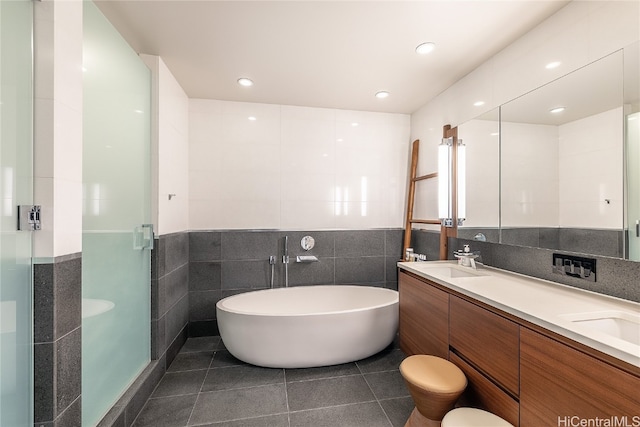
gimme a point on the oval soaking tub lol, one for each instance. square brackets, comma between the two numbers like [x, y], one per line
[307, 326]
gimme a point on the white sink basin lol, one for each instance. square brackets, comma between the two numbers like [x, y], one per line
[453, 273]
[618, 324]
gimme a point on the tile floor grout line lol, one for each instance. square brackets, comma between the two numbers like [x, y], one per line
[186, 370]
[333, 406]
[204, 380]
[172, 396]
[286, 397]
[193, 408]
[324, 378]
[376, 397]
[237, 388]
[207, 423]
[139, 413]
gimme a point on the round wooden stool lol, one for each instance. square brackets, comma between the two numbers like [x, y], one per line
[472, 417]
[435, 384]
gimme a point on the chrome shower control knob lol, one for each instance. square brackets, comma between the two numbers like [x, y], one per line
[307, 243]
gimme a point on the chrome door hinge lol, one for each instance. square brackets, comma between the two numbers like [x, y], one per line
[29, 217]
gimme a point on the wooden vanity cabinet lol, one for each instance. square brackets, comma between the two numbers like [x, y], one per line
[526, 374]
[424, 318]
[487, 341]
[558, 382]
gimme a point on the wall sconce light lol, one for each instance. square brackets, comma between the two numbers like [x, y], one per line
[446, 181]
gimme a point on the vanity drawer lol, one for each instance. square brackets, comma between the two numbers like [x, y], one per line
[484, 394]
[424, 318]
[489, 342]
[559, 382]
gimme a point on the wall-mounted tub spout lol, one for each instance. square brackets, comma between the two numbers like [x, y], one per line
[306, 258]
[272, 263]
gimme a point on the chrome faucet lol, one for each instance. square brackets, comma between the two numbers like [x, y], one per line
[466, 258]
[285, 261]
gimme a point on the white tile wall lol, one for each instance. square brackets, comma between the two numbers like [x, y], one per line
[295, 167]
[173, 154]
[294, 151]
[170, 150]
[58, 126]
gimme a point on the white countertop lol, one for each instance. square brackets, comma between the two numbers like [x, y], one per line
[547, 304]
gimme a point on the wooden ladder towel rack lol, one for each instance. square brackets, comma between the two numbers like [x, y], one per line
[413, 179]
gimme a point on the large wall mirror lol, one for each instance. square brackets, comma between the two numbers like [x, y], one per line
[559, 167]
[481, 137]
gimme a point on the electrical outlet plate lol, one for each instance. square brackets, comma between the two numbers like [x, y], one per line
[575, 266]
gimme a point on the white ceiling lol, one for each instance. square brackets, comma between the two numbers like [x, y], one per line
[333, 54]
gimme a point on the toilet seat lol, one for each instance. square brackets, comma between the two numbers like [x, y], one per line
[472, 417]
[433, 373]
[434, 384]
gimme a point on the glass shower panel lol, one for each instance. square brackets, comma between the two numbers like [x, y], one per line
[116, 270]
[16, 184]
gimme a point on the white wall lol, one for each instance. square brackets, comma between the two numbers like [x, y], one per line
[295, 167]
[578, 34]
[170, 150]
[58, 126]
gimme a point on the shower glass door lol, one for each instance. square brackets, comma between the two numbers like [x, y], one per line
[16, 184]
[116, 262]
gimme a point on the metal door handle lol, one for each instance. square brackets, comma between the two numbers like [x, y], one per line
[143, 237]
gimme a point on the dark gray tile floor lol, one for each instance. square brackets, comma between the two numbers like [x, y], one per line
[206, 386]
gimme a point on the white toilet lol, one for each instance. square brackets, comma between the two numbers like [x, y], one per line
[472, 417]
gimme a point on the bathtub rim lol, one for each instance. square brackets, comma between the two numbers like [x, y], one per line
[395, 301]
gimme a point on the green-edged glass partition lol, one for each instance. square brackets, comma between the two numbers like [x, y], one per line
[116, 262]
[16, 186]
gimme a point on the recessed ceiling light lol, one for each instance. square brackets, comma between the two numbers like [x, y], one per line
[478, 103]
[382, 94]
[425, 48]
[552, 65]
[354, 124]
[243, 81]
[252, 118]
[557, 110]
[494, 134]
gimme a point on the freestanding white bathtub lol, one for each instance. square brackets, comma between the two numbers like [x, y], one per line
[307, 326]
